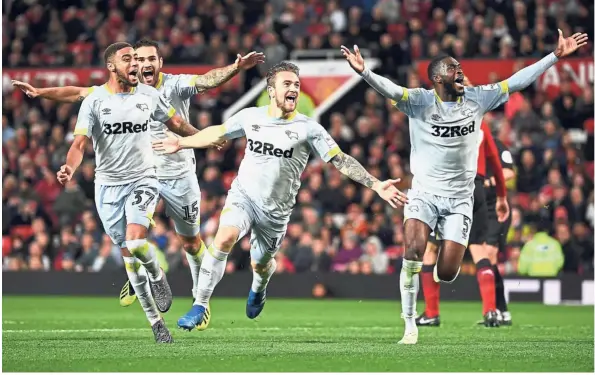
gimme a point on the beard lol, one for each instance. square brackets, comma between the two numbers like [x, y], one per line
[284, 106]
[123, 78]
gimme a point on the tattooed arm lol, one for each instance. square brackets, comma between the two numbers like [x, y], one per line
[216, 77]
[351, 168]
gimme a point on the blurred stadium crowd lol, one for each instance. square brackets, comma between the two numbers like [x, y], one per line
[337, 225]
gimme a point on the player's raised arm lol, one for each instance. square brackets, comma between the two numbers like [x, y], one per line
[528, 75]
[67, 94]
[218, 76]
[384, 86]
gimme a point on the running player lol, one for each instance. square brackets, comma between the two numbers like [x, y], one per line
[116, 117]
[261, 199]
[444, 125]
[176, 173]
[477, 240]
[498, 231]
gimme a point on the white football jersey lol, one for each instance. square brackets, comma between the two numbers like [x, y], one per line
[178, 89]
[277, 152]
[445, 137]
[119, 126]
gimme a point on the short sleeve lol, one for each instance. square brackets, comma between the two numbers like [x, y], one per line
[86, 119]
[234, 126]
[492, 96]
[414, 101]
[321, 142]
[186, 85]
[163, 110]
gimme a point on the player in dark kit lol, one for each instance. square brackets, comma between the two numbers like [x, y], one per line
[488, 154]
[498, 231]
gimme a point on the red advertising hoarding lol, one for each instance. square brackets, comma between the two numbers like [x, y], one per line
[47, 77]
[580, 71]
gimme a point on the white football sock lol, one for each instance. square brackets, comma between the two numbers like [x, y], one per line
[409, 285]
[139, 281]
[146, 254]
[211, 272]
[194, 262]
[261, 280]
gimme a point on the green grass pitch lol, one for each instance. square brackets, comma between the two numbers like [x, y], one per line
[96, 334]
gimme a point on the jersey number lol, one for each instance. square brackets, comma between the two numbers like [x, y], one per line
[138, 197]
[275, 244]
[191, 211]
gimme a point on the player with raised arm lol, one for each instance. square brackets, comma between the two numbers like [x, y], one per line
[116, 117]
[262, 196]
[444, 130]
[176, 172]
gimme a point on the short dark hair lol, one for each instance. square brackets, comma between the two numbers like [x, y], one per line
[111, 50]
[435, 65]
[148, 43]
[283, 66]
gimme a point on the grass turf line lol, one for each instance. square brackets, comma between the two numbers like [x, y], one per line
[96, 334]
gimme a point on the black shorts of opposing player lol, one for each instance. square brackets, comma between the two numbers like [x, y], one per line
[479, 229]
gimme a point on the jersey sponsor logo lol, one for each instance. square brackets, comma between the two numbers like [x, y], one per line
[453, 131]
[142, 106]
[125, 127]
[265, 148]
[106, 111]
[255, 128]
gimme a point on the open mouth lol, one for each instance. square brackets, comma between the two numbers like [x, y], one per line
[149, 74]
[132, 75]
[291, 98]
[459, 82]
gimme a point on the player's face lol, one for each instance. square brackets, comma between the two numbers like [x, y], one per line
[453, 77]
[150, 65]
[126, 67]
[286, 91]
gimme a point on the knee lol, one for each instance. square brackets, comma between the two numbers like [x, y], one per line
[414, 248]
[135, 232]
[447, 273]
[191, 244]
[492, 254]
[225, 239]
[431, 254]
[261, 268]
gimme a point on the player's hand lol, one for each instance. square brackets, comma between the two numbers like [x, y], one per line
[219, 146]
[388, 192]
[502, 209]
[168, 145]
[29, 90]
[64, 174]
[354, 59]
[567, 46]
[250, 60]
